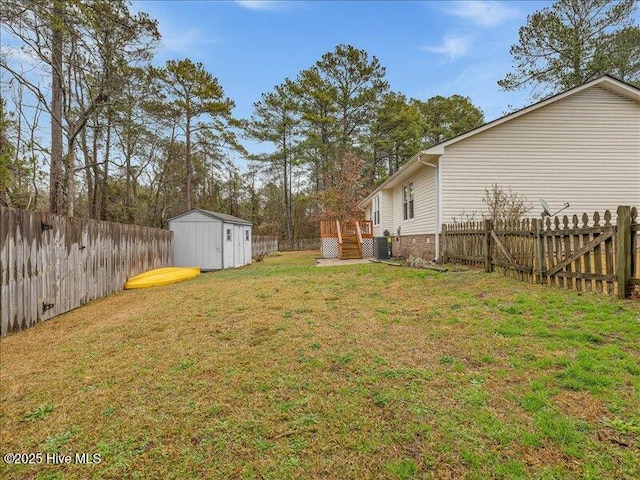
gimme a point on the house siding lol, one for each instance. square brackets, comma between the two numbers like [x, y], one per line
[583, 149]
[386, 211]
[424, 198]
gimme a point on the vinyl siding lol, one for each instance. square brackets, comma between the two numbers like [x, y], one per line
[424, 195]
[386, 211]
[583, 149]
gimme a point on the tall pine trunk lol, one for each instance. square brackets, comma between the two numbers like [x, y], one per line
[70, 179]
[88, 160]
[56, 173]
[187, 161]
[104, 184]
[97, 174]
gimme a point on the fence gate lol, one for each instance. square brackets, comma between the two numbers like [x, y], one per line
[584, 254]
[512, 248]
[579, 257]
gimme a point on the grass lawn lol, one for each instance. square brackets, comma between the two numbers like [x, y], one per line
[285, 370]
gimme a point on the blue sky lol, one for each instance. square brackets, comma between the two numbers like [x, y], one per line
[428, 48]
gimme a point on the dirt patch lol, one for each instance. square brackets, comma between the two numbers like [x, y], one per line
[538, 458]
[336, 262]
[580, 405]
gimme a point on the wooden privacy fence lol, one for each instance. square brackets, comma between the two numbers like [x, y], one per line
[264, 244]
[585, 254]
[50, 264]
[301, 244]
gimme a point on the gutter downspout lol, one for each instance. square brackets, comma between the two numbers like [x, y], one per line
[438, 220]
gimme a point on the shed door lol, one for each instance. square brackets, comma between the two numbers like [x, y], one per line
[228, 248]
[238, 245]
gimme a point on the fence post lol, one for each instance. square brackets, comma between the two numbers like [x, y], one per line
[486, 247]
[443, 241]
[623, 250]
[539, 248]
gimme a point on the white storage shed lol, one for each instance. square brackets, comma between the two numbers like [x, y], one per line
[210, 240]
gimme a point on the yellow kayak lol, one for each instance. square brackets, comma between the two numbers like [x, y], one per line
[162, 276]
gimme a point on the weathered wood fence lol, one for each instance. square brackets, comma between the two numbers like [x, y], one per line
[50, 264]
[264, 244]
[589, 254]
[302, 244]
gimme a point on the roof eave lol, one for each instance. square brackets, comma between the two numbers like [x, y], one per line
[209, 214]
[405, 169]
[382, 186]
[606, 81]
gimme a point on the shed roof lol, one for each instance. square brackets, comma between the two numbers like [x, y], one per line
[217, 215]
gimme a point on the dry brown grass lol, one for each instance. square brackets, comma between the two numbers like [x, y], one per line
[284, 370]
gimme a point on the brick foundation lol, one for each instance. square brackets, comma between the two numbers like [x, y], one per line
[422, 246]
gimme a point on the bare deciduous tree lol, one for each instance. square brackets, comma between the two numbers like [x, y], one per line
[504, 204]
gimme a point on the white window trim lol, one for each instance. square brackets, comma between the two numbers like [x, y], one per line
[411, 201]
[376, 212]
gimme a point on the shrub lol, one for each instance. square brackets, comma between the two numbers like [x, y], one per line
[504, 204]
[259, 256]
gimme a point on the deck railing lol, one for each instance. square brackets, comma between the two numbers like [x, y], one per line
[338, 229]
[328, 229]
[366, 228]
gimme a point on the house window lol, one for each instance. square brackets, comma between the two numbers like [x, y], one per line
[228, 234]
[246, 235]
[407, 201]
[376, 210]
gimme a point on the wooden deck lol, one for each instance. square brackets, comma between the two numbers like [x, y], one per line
[350, 235]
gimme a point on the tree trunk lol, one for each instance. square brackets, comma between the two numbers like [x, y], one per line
[290, 225]
[286, 184]
[96, 175]
[56, 174]
[69, 179]
[88, 160]
[187, 161]
[128, 182]
[105, 170]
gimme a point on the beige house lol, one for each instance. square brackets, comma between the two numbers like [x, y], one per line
[581, 146]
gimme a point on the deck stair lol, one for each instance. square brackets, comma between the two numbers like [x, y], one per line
[351, 248]
[347, 235]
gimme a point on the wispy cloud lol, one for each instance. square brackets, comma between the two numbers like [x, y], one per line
[259, 4]
[452, 46]
[486, 13]
[186, 42]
